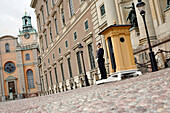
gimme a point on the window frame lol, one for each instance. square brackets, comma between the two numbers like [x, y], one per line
[85, 25]
[27, 56]
[66, 44]
[71, 7]
[32, 84]
[102, 15]
[47, 7]
[7, 48]
[56, 26]
[79, 63]
[91, 58]
[76, 36]
[69, 67]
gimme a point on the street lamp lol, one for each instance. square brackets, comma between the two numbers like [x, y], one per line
[141, 6]
[81, 51]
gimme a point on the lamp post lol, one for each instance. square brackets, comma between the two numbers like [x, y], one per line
[141, 6]
[81, 51]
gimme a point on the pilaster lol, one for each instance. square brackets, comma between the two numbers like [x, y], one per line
[35, 57]
[2, 89]
[20, 69]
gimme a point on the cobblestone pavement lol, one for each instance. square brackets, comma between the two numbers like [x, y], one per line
[148, 93]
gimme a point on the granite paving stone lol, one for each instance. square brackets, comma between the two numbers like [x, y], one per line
[149, 93]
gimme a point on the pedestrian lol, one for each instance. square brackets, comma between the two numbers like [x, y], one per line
[101, 61]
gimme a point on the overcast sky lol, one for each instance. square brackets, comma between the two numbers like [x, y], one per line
[11, 12]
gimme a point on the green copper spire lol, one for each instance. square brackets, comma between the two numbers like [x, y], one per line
[26, 24]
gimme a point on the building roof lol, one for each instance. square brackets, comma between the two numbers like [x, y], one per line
[113, 26]
[8, 36]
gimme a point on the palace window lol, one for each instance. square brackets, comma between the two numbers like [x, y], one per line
[69, 67]
[63, 18]
[79, 62]
[7, 48]
[39, 23]
[30, 79]
[66, 44]
[86, 24]
[56, 27]
[90, 50]
[46, 41]
[55, 70]
[53, 56]
[62, 71]
[53, 2]
[44, 65]
[49, 61]
[47, 7]
[51, 36]
[43, 83]
[46, 80]
[51, 78]
[27, 57]
[59, 50]
[43, 16]
[42, 44]
[75, 36]
[102, 10]
[71, 7]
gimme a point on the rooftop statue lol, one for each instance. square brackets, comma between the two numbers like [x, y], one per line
[132, 15]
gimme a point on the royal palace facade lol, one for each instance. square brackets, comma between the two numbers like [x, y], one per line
[64, 24]
[19, 75]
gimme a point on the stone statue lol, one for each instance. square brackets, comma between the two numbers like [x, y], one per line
[168, 3]
[10, 94]
[132, 15]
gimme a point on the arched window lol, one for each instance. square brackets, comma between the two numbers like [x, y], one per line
[30, 79]
[7, 47]
[25, 21]
[27, 57]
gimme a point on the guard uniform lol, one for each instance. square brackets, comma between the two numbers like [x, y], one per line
[101, 63]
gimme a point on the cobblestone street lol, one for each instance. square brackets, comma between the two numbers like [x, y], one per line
[148, 93]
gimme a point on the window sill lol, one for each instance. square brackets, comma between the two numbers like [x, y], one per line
[103, 16]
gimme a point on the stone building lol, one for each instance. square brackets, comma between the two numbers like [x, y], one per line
[18, 63]
[64, 24]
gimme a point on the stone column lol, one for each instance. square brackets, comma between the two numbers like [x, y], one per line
[111, 13]
[149, 23]
[154, 13]
[21, 78]
[134, 32]
[122, 13]
[118, 12]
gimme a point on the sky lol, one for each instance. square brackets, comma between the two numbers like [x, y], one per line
[11, 12]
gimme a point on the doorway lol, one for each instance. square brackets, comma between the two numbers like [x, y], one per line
[11, 87]
[112, 58]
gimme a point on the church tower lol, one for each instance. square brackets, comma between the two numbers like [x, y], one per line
[28, 35]
[19, 74]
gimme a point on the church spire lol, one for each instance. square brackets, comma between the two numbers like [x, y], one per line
[26, 24]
